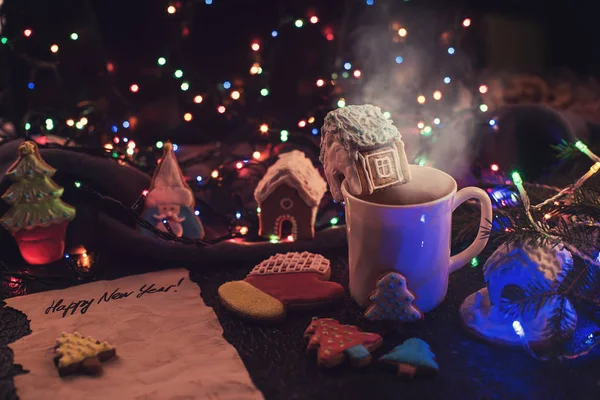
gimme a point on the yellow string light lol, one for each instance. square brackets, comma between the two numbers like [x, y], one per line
[264, 128]
[421, 99]
[437, 95]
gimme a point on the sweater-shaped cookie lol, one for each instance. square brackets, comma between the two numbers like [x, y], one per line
[392, 301]
[364, 148]
[336, 342]
[75, 353]
[283, 281]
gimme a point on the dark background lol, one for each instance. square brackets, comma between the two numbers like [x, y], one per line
[519, 36]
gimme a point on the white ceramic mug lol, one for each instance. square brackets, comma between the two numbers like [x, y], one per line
[407, 229]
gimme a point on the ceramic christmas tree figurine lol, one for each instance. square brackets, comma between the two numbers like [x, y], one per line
[38, 218]
[413, 357]
[170, 198]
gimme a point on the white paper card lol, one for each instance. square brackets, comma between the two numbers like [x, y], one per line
[169, 343]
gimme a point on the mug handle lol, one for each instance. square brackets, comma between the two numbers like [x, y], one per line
[457, 261]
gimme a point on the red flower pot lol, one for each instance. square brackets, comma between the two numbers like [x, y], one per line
[42, 245]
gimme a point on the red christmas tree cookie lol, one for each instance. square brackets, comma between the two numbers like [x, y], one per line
[336, 342]
[38, 218]
[392, 301]
[283, 281]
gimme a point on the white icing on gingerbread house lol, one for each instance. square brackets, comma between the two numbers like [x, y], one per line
[361, 145]
[291, 190]
[519, 266]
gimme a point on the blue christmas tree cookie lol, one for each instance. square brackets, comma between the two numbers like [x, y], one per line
[413, 357]
[392, 301]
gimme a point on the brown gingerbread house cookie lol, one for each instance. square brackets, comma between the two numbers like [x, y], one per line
[291, 191]
[360, 145]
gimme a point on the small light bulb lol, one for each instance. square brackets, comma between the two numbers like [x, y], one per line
[264, 92]
[256, 155]
[83, 120]
[162, 61]
[341, 103]
[255, 46]
[451, 50]
[311, 120]
[159, 145]
[254, 69]
[198, 99]
[402, 32]
[357, 73]
[221, 109]
[54, 48]
[244, 230]
[466, 22]
[483, 89]
[187, 117]
[494, 167]
[235, 95]
[70, 122]
[320, 82]
[199, 178]
[421, 125]
[171, 9]
[421, 99]
[437, 95]
[134, 88]
[314, 19]
[264, 128]
[483, 107]
[298, 23]
[518, 328]
[185, 86]
[301, 124]
[27, 32]
[178, 73]
[74, 36]
[239, 165]
[215, 174]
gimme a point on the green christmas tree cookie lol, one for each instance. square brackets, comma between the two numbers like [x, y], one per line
[38, 218]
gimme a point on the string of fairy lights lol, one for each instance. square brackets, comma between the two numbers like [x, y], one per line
[121, 144]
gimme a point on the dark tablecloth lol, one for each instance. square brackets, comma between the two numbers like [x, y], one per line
[276, 359]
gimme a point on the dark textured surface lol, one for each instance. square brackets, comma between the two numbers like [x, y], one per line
[279, 366]
[276, 359]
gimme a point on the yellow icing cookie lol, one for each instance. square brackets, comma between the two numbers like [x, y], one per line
[250, 302]
[72, 348]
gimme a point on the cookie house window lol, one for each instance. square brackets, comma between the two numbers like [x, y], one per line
[384, 168]
[286, 203]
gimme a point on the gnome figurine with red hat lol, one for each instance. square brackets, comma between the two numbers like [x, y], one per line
[171, 200]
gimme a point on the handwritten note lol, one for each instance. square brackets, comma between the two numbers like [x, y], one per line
[82, 306]
[169, 343]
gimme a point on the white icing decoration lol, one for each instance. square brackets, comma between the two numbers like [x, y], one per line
[516, 264]
[297, 171]
[286, 203]
[487, 321]
[360, 125]
[285, 217]
[346, 131]
[291, 263]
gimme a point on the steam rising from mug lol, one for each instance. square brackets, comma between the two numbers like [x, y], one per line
[395, 74]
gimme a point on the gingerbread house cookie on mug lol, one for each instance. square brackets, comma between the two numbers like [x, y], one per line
[362, 146]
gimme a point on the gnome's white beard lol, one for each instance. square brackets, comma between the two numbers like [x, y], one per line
[174, 222]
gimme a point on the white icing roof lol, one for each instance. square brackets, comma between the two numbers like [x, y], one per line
[551, 263]
[297, 171]
[361, 125]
